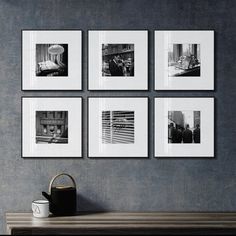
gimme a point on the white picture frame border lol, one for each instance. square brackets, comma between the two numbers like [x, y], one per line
[162, 40]
[71, 149]
[98, 37]
[29, 40]
[164, 149]
[96, 149]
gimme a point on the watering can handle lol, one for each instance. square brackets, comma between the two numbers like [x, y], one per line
[56, 176]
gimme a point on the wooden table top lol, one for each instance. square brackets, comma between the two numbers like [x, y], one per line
[123, 221]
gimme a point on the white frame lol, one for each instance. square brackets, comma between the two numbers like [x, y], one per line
[140, 79]
[206, 146]
[32, 37]
[98, 149]
[206, 79]
[32, 104]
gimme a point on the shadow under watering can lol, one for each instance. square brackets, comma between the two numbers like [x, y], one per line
[62, 198]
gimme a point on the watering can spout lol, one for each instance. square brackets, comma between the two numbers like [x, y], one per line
[47, 196]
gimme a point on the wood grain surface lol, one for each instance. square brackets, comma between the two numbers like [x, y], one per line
[118, 223]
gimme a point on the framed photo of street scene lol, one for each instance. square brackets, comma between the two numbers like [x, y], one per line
[118, 60]
[118, 127]
[51, 127]
[184, 127]
[51, 59]
[184, 60]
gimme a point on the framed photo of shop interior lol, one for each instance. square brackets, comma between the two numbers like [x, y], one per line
[184, 60]
[184, 127]
[51, 59]
[118, 60]
[118, 127]
[51, 126]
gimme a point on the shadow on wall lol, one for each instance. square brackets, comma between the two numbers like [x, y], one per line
[85, 204]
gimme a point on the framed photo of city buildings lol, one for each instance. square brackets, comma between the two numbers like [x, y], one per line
[118, 60]
[51, 127]
[51, 59]
[118, 127]
[184, 127]
[184, 60]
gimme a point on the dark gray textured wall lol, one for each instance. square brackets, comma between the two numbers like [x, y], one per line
[112, 184]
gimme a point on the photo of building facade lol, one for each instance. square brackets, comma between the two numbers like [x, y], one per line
[51, 126]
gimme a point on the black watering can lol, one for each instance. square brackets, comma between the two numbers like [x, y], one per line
[62, 198]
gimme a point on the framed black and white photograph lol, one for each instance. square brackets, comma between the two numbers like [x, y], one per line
[118, 60]
[51, 126]
[184, 60]
[118, 127]
[184, 127]
[51, 59]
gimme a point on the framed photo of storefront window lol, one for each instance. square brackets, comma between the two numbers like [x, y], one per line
[51, 59]
[184, 60]
[51, 127]
[118, 60]
[118, 127]
[184, 127]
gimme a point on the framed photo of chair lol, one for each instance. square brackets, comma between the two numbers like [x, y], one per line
[51, 59]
